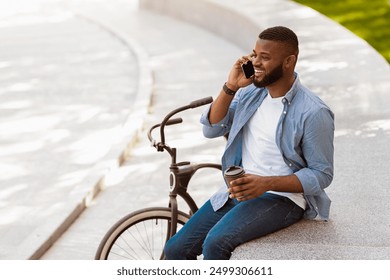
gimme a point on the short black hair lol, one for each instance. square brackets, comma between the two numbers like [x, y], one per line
[281, 34]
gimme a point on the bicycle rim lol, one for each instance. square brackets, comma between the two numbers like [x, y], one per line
[139, 236]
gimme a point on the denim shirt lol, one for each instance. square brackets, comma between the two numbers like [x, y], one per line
[304, 136]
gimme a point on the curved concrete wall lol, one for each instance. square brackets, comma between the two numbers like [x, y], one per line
[333, 61]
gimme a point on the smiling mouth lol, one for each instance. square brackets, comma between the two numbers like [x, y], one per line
[259, 72]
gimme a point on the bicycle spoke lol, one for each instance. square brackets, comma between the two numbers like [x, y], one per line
[144, 246]
[147, 240]
[139, 237]
[144, 236]
[128, 246]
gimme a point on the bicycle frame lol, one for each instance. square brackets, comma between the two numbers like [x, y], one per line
[139, 231]
[182, 172]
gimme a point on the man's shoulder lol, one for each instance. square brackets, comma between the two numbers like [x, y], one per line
[310, 100]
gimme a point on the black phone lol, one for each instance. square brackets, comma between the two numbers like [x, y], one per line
[248, 69]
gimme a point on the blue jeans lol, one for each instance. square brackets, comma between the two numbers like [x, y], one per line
[217, 234]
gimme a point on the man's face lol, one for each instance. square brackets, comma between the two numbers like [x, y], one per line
[268, 62]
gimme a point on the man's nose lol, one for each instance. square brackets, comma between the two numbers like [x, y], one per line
[256, 62]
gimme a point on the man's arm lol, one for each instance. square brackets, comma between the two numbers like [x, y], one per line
[236, 80]
[220, 106]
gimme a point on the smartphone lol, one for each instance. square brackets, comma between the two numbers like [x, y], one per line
[248, 69]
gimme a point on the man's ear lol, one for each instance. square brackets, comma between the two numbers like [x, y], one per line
[290, 61]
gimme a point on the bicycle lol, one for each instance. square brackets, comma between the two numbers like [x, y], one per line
[142, 234]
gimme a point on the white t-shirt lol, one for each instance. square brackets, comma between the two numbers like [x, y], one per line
[261, 155]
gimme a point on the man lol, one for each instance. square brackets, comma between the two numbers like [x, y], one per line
[282, 135]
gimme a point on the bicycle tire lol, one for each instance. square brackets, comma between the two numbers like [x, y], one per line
[135, 236]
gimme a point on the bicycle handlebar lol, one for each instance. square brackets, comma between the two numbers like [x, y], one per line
[168, 121]
[201, 102]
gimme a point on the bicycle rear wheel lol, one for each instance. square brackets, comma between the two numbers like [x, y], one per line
[140, 235]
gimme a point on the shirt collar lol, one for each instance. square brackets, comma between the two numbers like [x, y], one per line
[294, 89]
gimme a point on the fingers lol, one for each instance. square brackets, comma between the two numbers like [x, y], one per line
[239, 196]
[247, 187]
[244, 59]
[242, 195]
[236, 76]
[239, 190]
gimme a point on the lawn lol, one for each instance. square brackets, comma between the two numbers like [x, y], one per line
[368, 19]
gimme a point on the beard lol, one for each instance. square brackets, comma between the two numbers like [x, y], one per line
[270, 78]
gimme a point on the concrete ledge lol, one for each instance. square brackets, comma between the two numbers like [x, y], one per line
[353, 79]
[212, 16]
[309, 240]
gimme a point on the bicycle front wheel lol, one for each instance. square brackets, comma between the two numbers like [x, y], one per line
[139, 236]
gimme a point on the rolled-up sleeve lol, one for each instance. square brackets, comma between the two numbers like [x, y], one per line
[222, 127]
[318, 151]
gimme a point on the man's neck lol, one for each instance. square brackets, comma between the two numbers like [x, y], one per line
[281, 87]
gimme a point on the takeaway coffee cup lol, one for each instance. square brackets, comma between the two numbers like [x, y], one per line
[232, 173]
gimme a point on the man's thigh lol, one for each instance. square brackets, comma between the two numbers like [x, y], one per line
[257, 217]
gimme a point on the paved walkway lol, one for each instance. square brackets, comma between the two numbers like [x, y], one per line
[186, 63]
[178, 54]
[67, 89]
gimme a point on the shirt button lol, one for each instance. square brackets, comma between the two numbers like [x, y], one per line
[285, 112]
[290, 164]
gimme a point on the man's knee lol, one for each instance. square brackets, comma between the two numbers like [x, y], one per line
[171, 250]
[175, 249]
[217, 247]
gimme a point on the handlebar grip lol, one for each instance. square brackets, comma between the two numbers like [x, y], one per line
[201, 102]
[169, 122]
[174, 121]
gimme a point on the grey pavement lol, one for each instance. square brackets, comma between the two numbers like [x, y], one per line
[87, 69]
[68, 86]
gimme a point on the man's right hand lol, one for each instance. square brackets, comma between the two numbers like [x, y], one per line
[236, 78]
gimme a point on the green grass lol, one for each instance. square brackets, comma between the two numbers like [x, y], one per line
[368, 19]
